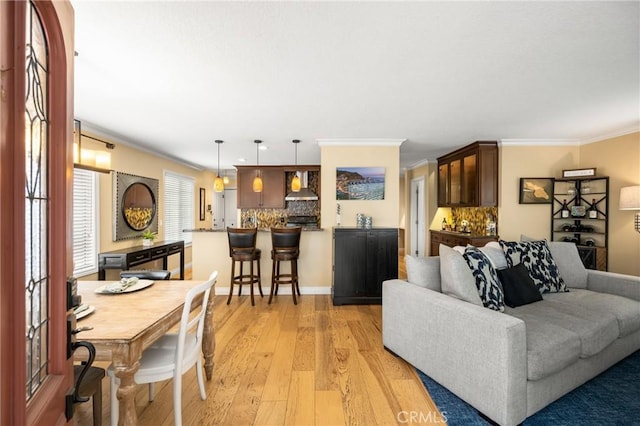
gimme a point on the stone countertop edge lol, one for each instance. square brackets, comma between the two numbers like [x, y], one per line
[464, 234]
[259, 230]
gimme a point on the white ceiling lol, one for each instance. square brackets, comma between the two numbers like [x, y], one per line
[172, 77]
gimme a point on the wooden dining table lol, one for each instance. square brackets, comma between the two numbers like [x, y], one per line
[123, 325]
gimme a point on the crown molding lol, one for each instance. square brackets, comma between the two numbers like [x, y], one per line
[360, 142]
[539, 142]
[117, 139]
[632, 129]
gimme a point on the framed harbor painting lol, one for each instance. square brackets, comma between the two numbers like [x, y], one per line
[360, 183]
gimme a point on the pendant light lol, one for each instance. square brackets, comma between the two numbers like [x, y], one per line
[295, 182]
[218, 183]
[257, 181]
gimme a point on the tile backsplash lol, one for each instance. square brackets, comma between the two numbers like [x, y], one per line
[476, 216]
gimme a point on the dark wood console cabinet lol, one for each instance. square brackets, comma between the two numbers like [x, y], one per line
[362, 260]
[133, 256]
[468, 177]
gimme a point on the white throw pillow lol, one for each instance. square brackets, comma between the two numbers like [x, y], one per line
[456, 277]
[424, 271]
[495, 254]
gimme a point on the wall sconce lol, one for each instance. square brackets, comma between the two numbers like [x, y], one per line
[257, 181]
[630, 200]
[90, 159]
[295, 182]
[218, 183]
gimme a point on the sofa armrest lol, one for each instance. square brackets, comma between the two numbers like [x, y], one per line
[613, 283]
[478, 354]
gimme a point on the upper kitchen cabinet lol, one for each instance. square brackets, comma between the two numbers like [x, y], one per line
[468, 177]
[273, 187]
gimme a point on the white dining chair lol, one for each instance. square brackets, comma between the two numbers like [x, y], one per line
[159, 361]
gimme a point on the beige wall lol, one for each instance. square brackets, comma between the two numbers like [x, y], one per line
[384, 212]
[618, 158]
[529, 161]
[130, 160]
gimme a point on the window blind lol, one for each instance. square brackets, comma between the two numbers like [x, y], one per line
[178, 206]
[85, 220]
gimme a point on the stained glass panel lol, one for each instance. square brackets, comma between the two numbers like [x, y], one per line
[36, 203]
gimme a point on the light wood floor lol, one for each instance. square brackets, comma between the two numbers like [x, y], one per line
[310, 364]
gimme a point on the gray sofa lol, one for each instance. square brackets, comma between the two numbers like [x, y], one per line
[508, 365]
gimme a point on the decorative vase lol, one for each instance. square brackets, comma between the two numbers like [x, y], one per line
[146, 242]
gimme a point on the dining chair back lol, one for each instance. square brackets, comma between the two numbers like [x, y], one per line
[173, 354]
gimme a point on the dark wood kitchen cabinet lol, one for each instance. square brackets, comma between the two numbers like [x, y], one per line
[362, 260]
[273, 187]
[468, 177]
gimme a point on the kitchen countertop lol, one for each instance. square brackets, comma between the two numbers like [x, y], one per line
[463, 234]
[259, 230]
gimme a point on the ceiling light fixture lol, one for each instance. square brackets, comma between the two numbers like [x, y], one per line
[218, 183]
[257, 181]
[295, 182]
[96, 160]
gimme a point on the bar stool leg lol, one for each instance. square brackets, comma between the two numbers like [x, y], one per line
[259, 278]
[273, 279]
[251, 281]
[233, 274]
[241, 280]
[294, 274]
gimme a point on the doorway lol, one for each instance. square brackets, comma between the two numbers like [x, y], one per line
[417, 217]
[225, 209]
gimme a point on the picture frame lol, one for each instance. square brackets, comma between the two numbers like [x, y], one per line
[360, 183]
[586, 172]
[536, 190]
[203, 203]
[135, 205]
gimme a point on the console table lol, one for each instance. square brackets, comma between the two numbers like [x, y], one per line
[126, 258]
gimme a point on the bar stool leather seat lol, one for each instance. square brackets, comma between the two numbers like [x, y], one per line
[242, 248]
[285, 247]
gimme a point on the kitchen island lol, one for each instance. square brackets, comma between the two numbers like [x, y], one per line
[210, 252]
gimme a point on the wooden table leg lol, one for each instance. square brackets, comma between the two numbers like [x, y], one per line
[208, 337]
[125, 364]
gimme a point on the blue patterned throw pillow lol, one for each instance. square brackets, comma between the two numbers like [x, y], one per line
[536, 257]
[486, 278]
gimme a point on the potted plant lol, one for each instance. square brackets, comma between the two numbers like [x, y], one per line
[148, 236]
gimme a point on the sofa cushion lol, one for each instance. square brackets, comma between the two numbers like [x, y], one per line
[424, 271]
[626, 311]
[596, 329]
[570, 267]
[456, 278]
[538, 260]
[486, 279]
[495, 254]
[550, 348]
[518, 286]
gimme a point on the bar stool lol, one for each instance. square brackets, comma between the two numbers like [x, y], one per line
[285, 247]
[242, 248]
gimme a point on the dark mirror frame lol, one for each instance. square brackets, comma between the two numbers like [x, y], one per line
[122, 229]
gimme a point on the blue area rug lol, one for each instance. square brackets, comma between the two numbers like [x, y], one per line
[612, 398]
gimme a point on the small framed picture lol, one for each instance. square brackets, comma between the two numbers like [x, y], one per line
[579, 172]
[536, 190]
[203, 203]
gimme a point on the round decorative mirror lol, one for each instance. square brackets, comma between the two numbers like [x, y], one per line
[138, 206]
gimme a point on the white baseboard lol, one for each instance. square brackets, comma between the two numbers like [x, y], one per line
[224, 291]
[175, 272]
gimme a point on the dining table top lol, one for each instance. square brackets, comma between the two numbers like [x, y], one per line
[126, 316]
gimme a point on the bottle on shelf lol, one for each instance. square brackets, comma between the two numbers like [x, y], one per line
[444, 224]
[564, 211]
[593, 211]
